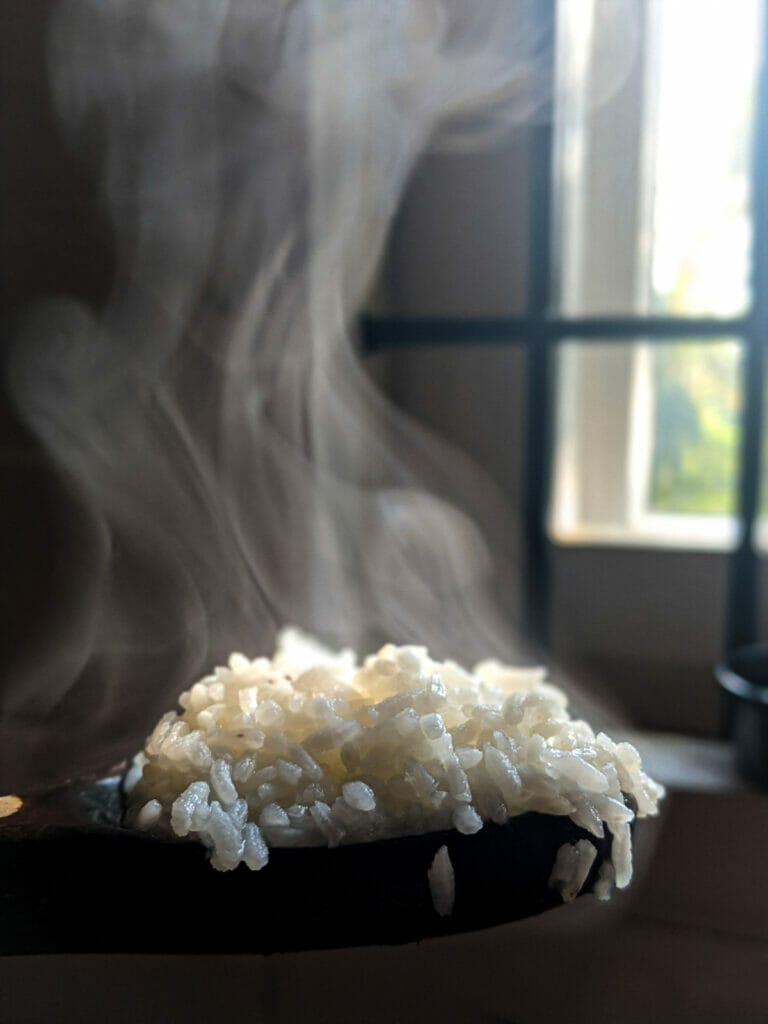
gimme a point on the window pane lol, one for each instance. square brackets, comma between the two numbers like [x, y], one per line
[647, 442]
[652, 164]
[696, 408]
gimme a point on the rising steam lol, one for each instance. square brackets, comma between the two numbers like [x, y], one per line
[234, 468]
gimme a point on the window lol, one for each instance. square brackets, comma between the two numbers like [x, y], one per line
[647, 447]
[654, 220]
[646, 323]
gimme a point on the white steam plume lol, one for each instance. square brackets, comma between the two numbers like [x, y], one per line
[234, 467]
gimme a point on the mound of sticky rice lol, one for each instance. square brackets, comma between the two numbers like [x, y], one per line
[311, 748]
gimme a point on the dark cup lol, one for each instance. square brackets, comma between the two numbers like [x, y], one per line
[743, 677]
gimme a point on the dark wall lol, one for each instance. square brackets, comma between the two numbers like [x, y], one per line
[53, 238]
[53, 241]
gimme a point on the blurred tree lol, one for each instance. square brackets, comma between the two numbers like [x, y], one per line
[696, 428]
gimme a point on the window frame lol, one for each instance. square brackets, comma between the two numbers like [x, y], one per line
[541, 332]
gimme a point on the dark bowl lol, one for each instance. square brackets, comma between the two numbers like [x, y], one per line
[743, 678]
[73, 879]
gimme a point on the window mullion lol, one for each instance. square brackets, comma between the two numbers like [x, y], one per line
[742, 620]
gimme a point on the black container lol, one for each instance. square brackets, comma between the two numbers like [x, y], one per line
[743, 676]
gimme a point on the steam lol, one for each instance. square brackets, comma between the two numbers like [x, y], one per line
[232, 466]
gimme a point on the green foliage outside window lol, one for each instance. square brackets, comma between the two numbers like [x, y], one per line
[696, 428]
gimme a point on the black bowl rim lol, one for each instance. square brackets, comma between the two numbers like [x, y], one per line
[734, 683]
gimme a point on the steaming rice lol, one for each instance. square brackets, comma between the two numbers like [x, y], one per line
[312, 749]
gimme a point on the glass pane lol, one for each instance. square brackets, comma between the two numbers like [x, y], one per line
[654, 116]
[696, 408]
[647, 442]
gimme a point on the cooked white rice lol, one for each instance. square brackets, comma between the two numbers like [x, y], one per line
[571, 869]
[442, 882]
[311, 749]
